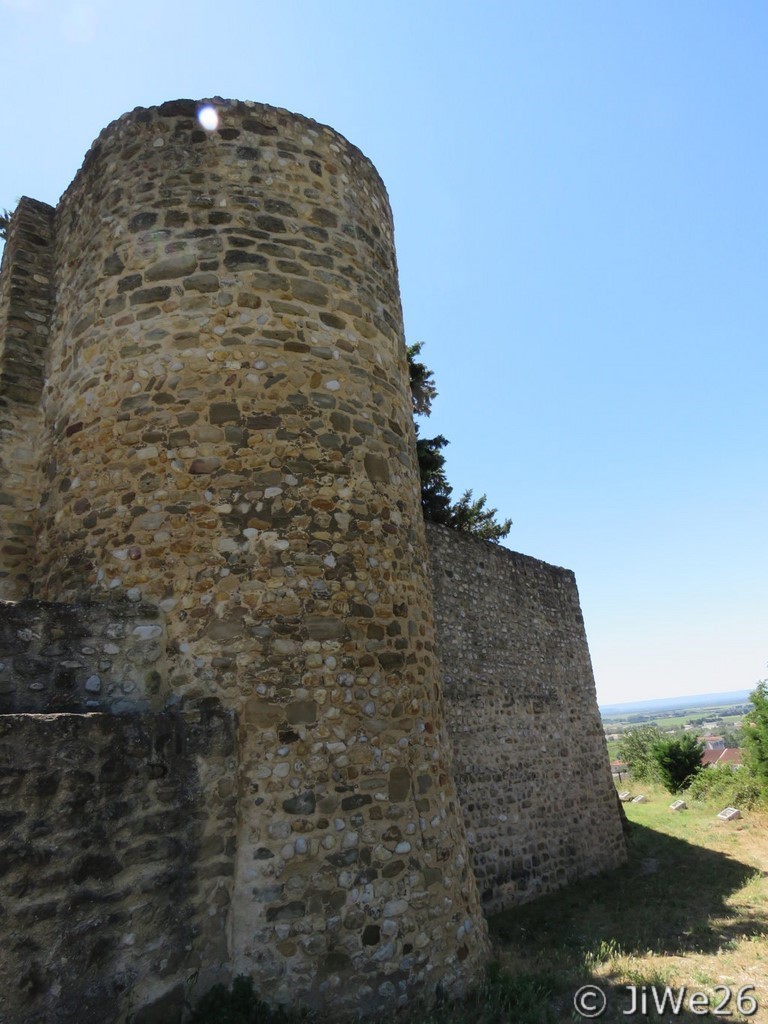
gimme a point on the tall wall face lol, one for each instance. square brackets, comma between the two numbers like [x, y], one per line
[26, 306]
[228, 436]
[207, 451]
[530, 760]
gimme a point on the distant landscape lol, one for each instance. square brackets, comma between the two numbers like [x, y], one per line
[668, 704]
[719, 714]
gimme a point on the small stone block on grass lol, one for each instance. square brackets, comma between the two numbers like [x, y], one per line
[625, 796]
[729, 814]
[640, 799]
[678, 805]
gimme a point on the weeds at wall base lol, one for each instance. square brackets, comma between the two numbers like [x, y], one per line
[238, 1005]
[499, 999]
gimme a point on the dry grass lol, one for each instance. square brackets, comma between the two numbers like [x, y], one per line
[689, 909]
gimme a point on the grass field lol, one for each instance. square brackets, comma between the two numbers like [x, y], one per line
[727, 719]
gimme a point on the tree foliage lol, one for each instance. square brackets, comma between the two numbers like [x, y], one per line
[5, 220]
[423, 390]
[731, 737]
[466, 514]
[473, 517]
[678, 760]
[635, 750]
[435, 489]
[756, 734]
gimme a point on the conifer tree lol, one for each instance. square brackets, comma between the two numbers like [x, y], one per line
[678, 760]
[465, 514]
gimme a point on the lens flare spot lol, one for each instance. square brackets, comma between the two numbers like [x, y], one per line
[208, 118]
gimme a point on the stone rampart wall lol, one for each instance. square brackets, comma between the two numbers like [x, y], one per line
[116, 863]
[26, 307]
[228, 436]
[530, 760]
[208, 475]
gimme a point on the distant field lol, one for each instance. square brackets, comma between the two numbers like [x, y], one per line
[674, 705]
[675, 722]
[729, 715]
[725, 716]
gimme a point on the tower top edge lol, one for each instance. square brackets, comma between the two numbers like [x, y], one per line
[231, 113]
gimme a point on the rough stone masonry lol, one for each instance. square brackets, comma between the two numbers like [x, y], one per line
[223, 747]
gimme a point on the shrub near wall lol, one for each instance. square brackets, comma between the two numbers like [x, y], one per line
[726, 785]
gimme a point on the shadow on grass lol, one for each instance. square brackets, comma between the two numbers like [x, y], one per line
[670, 898]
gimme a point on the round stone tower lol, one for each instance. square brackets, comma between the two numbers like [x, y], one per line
[231, 438]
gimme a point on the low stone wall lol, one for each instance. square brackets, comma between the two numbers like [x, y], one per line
[116, 863]
[530, 760]
[84, 657]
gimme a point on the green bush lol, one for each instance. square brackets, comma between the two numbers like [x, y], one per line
[727, 785]
[635, 751]
[678, 761]
[756, 735]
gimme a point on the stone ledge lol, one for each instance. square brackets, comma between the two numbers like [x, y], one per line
[116, 858]
[89, 656]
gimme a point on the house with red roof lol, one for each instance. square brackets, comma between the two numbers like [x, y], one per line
[723, 755]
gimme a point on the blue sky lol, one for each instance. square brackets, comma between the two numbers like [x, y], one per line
[580, 193]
